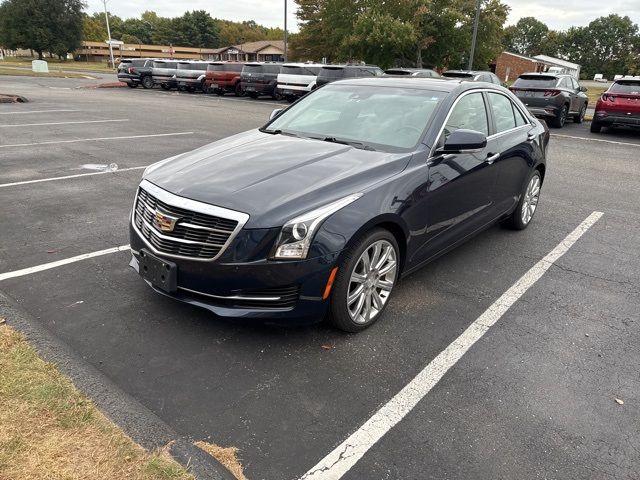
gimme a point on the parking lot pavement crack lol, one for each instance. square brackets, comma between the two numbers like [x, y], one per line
[596, 277]
[342, 456]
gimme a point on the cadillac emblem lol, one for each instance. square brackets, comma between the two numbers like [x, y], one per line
[164, 222]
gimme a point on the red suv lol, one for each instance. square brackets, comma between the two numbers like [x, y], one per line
[620, 105]
[224, 77]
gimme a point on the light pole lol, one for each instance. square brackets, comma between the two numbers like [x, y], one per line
[475, 35]
[106, 15]
[285, 30]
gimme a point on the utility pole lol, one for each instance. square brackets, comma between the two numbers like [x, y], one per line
[475, 35]
[106, 15]
[285, 30]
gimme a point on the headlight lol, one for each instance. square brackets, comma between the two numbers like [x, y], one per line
[297, 234]
[153, 166]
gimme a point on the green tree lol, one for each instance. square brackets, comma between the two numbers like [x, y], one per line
[198, 29]
[93, 30]
[379, 38]
[526, 37]
[42, 25]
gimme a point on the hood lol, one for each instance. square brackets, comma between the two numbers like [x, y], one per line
[273, 177]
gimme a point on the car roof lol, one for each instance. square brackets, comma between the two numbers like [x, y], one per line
[545, 74]
[423, 83]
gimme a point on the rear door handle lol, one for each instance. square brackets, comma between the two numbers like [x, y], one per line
[492, 157]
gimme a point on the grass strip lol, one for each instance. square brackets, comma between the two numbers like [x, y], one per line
[48, 429]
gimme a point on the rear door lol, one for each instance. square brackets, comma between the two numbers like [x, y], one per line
[511, 129]
[460, 185]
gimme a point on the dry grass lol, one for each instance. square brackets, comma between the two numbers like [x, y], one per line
[594, 93]
[49, 430]
[226, 456]
[28, 73]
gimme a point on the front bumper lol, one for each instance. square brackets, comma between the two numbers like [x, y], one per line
[293, 289]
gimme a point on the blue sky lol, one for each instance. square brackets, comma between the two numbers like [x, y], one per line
[556, 14]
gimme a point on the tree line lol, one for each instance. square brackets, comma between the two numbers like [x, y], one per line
[193, 29]
[59, 26]
[437, 34]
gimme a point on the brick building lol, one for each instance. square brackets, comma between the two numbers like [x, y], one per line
[509, 66]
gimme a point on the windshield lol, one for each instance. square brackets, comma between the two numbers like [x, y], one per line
[377, 117]
[326, 72]
[626, 87]
[537, 81]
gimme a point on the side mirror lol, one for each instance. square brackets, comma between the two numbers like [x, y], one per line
[275, 113]
[583, 89]
[464, 141]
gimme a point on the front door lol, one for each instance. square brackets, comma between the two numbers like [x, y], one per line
[458, 196]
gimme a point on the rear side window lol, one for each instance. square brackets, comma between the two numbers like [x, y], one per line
[502, 111]
[164, 64]
[298, 70]
[138, 63]
[469, 113]
[332, 73]
[629, 87]
[457, 75]
[535, 81]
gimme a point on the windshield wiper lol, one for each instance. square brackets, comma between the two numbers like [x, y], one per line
[360, 145]
[277, 131]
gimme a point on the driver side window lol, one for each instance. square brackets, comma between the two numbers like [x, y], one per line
[469, 113]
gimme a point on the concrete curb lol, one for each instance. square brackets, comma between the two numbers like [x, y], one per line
[141, 424]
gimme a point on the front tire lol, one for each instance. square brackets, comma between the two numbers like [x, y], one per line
[580, 117]
[365, 281]
[528, 204]
[595, 126]
[560, 120]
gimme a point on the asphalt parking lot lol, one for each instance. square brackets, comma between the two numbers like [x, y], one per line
[532, 398]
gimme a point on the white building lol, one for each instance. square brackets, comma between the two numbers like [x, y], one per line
[560, 66]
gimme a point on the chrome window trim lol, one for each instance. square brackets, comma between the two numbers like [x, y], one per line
[232, 297]
[193, 205]
[489, 137]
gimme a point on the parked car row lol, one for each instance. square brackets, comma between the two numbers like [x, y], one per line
[278, 80]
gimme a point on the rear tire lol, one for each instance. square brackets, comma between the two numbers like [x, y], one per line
[147, 82]
[580, 117]
[559, 121]
[237, 91]
[528, 204]
[204, 87]
[375, 282]
[276, 96]
[595, 126]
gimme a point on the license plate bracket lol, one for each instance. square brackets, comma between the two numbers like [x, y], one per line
[159, 272]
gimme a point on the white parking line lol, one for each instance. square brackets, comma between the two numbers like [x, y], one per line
[66, 177]
[96, 139]
[59, 263]
[63, 123]
[596, 140]
[347, 454]
[36, 111]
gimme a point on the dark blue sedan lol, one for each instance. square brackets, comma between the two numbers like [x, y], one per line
[320, 212]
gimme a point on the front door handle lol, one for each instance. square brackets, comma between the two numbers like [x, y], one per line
[531, 137]
[492, 157]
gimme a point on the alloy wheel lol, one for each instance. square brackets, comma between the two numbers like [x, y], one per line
[531, 197]
[371, 281]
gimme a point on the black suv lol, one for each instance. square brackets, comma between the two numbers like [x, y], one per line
[473, 75]
[260, 79]
[552, 96]
[331, 73]
[136, 71]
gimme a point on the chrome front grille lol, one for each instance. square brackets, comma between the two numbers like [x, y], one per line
[196, 234]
